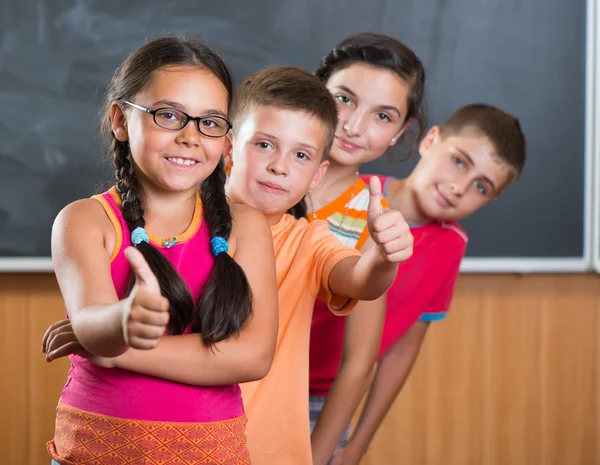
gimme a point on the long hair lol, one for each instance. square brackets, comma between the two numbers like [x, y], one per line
[226, 301]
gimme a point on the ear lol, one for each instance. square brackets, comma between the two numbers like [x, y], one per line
[118, 122]
[319, 175]
[402, 130]
[227, 149]
[429, 140]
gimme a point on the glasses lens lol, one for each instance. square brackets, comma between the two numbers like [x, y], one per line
[169, 118]
[213, 126]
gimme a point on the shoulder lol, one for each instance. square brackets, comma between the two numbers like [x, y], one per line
[455, 232]
[83, 223]
[248, 224]
[447, 242]
[85, 214]
[243, 214]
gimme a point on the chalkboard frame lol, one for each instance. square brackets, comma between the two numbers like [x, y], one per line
[594, 42]
[591, 251]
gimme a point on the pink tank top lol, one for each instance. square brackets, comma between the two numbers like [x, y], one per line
[125, 394]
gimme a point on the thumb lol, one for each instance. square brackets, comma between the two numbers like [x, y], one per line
[144, 276]
[374, 209]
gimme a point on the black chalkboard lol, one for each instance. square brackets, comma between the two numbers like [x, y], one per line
[526, 56]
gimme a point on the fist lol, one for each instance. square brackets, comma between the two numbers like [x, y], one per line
[387, 228]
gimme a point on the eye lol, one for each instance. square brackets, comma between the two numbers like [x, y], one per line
[383, 117]
[209, 123]
[458, 162]
[168, 116]
[302, 156]
[344, 100]
[264, 145]
[480, 188]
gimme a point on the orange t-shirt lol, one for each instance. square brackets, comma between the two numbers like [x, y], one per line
[277, 405]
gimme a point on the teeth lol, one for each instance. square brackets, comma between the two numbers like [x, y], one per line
[182, 161]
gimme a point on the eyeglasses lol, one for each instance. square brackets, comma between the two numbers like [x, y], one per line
[175, 120]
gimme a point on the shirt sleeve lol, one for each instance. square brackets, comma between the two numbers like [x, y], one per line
[444, 266]
[327, 251]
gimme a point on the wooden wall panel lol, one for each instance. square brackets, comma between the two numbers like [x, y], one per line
[569, 384]
[511, 376]
[454, 397]
[45, 306]
[13, 360]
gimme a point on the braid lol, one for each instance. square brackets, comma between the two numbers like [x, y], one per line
[127, 186]
[226, 303]
[214, 201]
[171, 284]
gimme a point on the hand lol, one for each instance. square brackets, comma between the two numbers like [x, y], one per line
[59, 341]
[345, 456]
[387, 228]
[146, 314]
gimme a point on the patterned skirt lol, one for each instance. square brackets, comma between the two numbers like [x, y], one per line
[84, 438]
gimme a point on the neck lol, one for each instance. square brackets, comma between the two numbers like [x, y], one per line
[167, 213]
[403, 199]
[273, 218]
[338, 178]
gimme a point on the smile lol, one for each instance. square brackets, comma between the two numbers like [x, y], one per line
[182, 161]
[272, 188]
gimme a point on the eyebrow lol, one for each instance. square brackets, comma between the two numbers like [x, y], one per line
[472, 163]
[178, 106]
[271, 136]
[383, 107]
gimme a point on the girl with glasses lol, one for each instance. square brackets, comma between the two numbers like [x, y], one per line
[162, 252]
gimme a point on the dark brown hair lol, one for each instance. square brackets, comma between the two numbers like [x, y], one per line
[226, 301]
[500, 128]
[381, 51]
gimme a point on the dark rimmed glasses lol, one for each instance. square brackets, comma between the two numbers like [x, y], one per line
[175, 120]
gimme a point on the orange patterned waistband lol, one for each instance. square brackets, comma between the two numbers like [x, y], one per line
[83, 438]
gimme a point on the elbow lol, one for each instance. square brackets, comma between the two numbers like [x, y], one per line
[259, 364]
[371, 294]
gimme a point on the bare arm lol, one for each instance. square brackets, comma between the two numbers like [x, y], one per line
[362, 335]
[241, 358]
[391, 374]
[82, 266]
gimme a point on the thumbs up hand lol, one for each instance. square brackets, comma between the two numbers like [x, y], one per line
[146, 313]
[387, 228]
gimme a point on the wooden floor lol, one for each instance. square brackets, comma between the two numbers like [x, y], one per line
[509, 378]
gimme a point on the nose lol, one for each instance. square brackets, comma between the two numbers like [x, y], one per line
[189, 136]
[278, 165]
[459, 185]
[353, 124]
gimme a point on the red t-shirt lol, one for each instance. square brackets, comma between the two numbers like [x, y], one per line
[422, 291]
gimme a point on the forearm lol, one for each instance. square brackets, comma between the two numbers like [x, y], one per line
[342, 401]
[363, 278]
[99, 329]
[184, 359]
[390, 376]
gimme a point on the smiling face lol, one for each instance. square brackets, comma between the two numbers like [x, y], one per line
[166, 159]
[372, 108]
[276, 159]
[457, 174]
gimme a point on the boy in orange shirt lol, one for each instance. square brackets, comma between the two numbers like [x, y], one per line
[284, 121]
